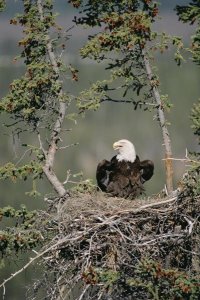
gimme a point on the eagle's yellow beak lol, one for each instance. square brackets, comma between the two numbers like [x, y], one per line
[116, 146]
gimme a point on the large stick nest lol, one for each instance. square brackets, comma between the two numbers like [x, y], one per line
[94, 236]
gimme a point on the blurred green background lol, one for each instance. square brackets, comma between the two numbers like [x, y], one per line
[97, 131]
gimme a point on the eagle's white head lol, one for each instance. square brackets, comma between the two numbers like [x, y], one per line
[126, 150]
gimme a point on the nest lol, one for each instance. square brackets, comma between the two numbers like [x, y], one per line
[97, 241]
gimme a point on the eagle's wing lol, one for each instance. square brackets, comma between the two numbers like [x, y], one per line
[146, 169]
[102, 174]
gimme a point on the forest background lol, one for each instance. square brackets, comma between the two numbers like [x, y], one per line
[98, 130]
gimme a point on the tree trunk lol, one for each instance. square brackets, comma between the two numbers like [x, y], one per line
[163, 125]
[50, 153]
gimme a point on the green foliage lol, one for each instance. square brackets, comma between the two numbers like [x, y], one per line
[106, 277]
[35, 93]
[23, 214]
[33, 100]
[125, 29]
[165, 102]
[177, 42]
[160, 283]
[31, 94]
[191, 14]
[110, 277]
[19, 239]
[195, 117]
[92, 97]
[33, 103]
[149, 280]
[23, 235]
[2, 5]
[191, 181]
[84, 186]
[11, 171]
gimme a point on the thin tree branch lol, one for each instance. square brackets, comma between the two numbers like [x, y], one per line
[21, 270]
[184, 160]
[190, 225]
[84, 291]
[147, 206]
[68, 146]
[23, 155]
[41, 145]
[129, 101]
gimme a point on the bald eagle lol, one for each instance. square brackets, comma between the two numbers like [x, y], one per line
[124, 175]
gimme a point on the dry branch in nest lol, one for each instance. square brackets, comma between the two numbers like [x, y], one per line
[98, 244]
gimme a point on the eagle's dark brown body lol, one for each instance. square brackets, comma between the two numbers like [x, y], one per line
[123, 178]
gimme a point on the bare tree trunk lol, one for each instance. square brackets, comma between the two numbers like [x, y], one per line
[163, 125]
[50, 153]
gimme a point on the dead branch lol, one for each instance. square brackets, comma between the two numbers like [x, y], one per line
[68, 146]
[188, 160]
